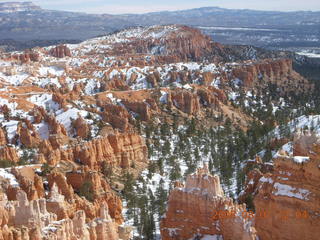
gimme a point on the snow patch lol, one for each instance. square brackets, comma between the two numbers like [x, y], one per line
[288, 191]
[6, 174]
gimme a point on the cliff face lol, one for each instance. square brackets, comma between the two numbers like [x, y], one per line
[199, 209]
[120, 150]
[286, 199]
[278, 72]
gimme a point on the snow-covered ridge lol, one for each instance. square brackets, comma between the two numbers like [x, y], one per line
[309, 54]
[10, 7]
[124, 36]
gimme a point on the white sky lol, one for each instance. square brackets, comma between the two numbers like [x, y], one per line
[142, 6]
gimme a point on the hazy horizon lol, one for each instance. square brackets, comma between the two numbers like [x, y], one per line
[144, 6]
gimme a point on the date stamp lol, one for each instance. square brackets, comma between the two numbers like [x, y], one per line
[282, 215]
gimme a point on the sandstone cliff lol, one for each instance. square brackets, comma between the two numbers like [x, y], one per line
[278, 72]
[289, 194]
[200, 209]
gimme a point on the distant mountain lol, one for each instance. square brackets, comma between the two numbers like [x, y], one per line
[9, 7]
[214, 16]
[26, 21]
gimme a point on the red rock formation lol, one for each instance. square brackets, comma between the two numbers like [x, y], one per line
[185, 101]
[175, 43]
[81, 127]
[289, 195]
[35, 222]
[29, 182]
[279, 72]
[186, 43]
[9, 153]
[60, 51]
[117, 116]
[100, 191]
[211, 97]
[60, 99]
[27, 57]
[119, 150]
[27, 137]
[61, 182]
[39, 113]
[198, 208]
[140, 108]
[3, 137]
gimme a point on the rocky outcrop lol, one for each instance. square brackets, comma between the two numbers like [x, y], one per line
[25, 219]
[279, 72]
[81, 127]
[140, 108]
[9, 153]
[187, 43]
[29, 182]
[29, 138]
[117, 116]
[26, 57]
[200, 209]
[119, 150]
[211, 97]
[60, 51]
[58, 179]
[185, 101]
[290, 194]
[3, 137]
[100, 192]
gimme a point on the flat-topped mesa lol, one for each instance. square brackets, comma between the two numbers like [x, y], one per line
[195, 211]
